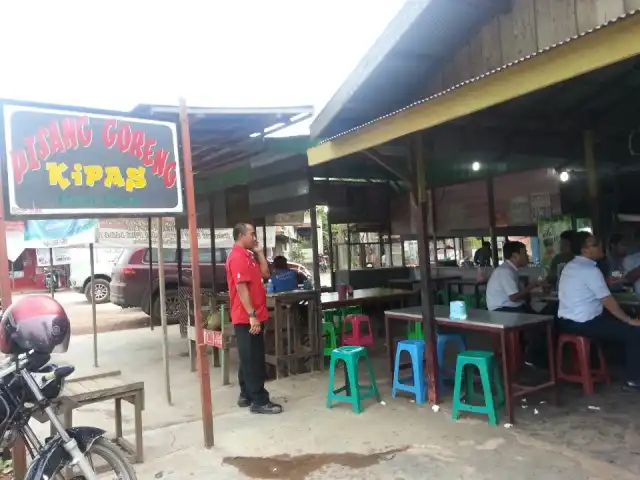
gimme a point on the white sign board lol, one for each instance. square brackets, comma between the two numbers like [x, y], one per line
[61, 256]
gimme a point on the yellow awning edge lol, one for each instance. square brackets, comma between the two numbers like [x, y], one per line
[611, 43]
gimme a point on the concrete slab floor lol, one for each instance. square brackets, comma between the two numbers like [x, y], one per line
[398, 440]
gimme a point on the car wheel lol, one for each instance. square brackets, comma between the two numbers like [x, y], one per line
[173, 307]
[101, 291]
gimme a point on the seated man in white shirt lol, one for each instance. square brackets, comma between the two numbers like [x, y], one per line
[584, 296]
[503, 290]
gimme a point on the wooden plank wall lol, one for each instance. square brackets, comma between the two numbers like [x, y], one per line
[531, 25]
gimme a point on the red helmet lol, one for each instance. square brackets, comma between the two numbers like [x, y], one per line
[36, 322]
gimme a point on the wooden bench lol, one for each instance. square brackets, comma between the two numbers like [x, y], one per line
[87, 390]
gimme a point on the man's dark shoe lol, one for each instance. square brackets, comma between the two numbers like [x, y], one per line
[268, 409]
[631, 386]
[243, 402]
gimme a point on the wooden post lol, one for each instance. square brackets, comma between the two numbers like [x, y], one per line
[150, 273]
[432, 224]
[94, 316]
[492, 222]
[592, 180]
[52, 285]
[218, 355]
[421, 200]
[163, 312]
[201, 352]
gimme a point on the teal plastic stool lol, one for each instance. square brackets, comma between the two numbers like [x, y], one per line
[485, 362]
[330, 339]
[354, 393]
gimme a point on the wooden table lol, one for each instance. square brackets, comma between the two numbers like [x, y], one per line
[363, 296]
[292, 345]
[501, 324]
[81, 391]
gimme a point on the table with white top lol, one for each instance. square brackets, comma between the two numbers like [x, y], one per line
[505, 325]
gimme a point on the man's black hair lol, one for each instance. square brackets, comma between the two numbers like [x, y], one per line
[486, 244]
[239, 230]
[280, 262]
[579, 241]
[511, 248]
[567, 235]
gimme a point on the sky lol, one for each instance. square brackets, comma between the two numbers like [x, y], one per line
[227, 53]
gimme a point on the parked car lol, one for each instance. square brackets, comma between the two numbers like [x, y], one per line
[80, 280]
[131, 288]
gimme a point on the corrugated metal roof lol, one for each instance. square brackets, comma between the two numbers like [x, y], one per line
[492, 72]
[394, 71]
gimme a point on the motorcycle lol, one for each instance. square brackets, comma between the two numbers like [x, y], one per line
[51, 277]
[28, 386]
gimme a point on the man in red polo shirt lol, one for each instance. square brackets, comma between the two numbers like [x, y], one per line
[246, 267]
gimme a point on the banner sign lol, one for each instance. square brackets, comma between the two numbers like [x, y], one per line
[57, 233]
[61, 256]
[61, 162]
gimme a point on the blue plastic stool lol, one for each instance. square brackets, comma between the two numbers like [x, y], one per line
[415, 348]
[443, 339]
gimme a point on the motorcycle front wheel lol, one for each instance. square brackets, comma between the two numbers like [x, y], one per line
[107, 460]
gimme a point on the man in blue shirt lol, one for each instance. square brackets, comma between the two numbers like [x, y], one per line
[283, 279]
[587, 307]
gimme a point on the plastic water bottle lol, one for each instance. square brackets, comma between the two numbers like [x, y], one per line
[269, 286]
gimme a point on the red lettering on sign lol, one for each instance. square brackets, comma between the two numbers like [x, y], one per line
[109, 136]
[159, 162]
[85, 134]
[170, 175]
[69, 133]
[30, 143]
[20, 165]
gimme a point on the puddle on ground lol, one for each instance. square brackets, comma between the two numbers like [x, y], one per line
[287, 467]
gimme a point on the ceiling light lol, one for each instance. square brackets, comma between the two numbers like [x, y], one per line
[564, 176]
[475, 166]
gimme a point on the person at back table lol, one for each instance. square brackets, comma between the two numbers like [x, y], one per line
[503, 290]
[283, 278]
[588, 309]
[561, 259]
[482, 257]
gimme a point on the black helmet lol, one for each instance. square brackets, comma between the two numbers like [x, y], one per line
[36, 322]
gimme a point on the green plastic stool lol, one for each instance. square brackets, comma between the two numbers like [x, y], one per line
[489, 370]
[414, 331]
[354, 392]
[330, 341]
[442, 297]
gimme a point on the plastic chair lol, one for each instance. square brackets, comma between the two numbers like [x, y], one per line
[357, 331]
[329, 335]
[489, 374]
[415, 332]
[581, 371]
[415, 349]
[354, 392]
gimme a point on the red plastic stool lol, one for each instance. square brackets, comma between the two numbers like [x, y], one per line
[355, 336]
[581, 371]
